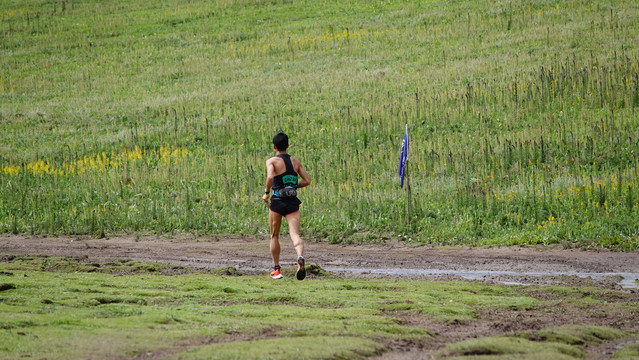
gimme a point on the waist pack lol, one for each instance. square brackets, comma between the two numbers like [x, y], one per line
[286, 192]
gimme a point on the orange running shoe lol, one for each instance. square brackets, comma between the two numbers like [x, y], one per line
[276, 273]
[301, 270]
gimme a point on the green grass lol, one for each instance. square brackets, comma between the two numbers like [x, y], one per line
[145, 116]
[629, 351]
[576, 335]
[112, 314]
[308, 347]
[507, 347]
[51, 308]
[556, 343]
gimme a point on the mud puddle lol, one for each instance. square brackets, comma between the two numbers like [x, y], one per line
[625, 280]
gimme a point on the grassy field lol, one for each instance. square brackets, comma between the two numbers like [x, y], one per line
[62, 308]
[152, 116]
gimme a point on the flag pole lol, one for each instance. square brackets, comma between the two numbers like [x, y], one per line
[407, 189]
[407, 196]
[403, 173]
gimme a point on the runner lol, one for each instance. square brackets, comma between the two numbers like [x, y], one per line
[282, 176]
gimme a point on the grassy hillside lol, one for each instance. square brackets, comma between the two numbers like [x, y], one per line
[155, 116]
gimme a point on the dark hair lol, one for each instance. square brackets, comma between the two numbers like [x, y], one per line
[280, 140]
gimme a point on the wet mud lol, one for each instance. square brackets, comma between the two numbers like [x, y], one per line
[394, 259]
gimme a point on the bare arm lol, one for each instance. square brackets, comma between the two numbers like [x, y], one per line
[306, 181]
[270, 174]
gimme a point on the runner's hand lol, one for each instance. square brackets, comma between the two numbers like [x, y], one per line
[265, 198]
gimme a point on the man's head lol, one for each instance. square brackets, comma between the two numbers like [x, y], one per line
[280, 141]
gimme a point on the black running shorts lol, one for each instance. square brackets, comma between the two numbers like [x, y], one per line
[285, 206]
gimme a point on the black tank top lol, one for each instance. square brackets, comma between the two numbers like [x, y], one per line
[288, 177]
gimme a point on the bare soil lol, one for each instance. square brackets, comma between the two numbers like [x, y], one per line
[251, 255]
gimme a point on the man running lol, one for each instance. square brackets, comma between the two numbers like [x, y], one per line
[282, 176]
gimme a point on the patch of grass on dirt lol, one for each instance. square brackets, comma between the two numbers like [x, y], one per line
[280, 348]
[59, 310]
[311, 270]
[508, 347]
[566, 342]
[226, 271]
[575, 335]
[110, 266]
[629, 351]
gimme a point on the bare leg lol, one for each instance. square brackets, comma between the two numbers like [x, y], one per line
[293, 221]
[275, 221]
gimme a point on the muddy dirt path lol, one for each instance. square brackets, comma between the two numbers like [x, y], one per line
[518, 265]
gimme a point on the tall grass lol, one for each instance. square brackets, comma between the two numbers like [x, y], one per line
[145, 116]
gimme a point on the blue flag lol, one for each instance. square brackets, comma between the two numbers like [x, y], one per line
[403, 156]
